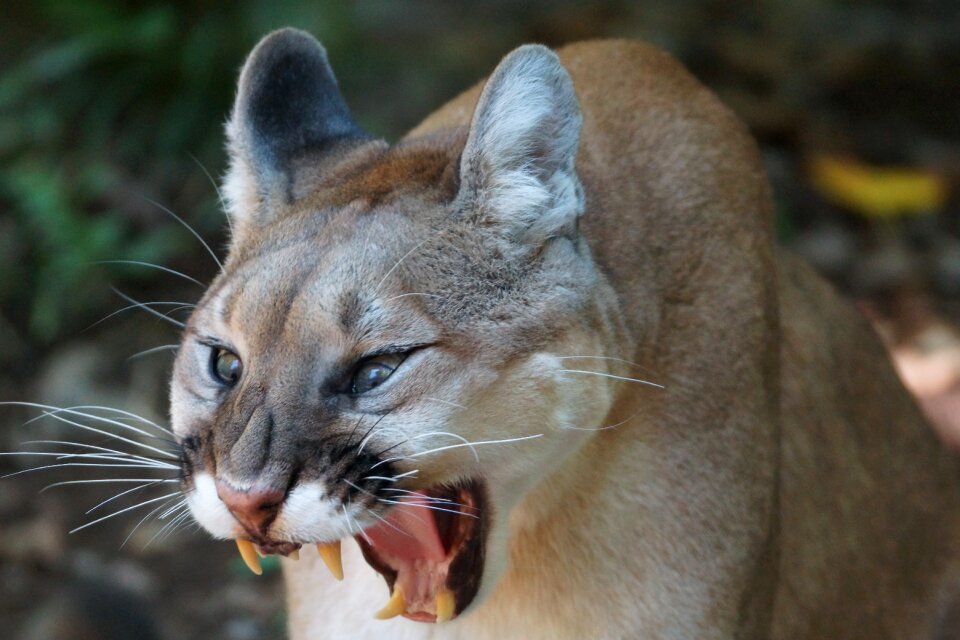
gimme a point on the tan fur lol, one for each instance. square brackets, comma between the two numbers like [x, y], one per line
[782, 484]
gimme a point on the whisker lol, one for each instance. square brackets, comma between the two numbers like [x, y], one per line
[426, 506]
[124, 510]
[153, 266]
[382, 478]
[54, 414]
[417, 494]
[465, 442]
[606, 427]
[166, 514]
[147, 352]
[216, 188]
[397, 264]
[120, 495]
[143, 305]
[70, 443]
[474, 444]
[369, 433]
[359, 530]
[191, 230]
[393, 478]
[146, 308]
[107, 480]
[147, 517]
[610, 375]
[146, 464]
[123, 413]
[629, 362]
[49, 410]
[77, 464]
[388, 523]
[169, 528]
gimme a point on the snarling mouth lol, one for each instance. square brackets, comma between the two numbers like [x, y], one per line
[429, 548]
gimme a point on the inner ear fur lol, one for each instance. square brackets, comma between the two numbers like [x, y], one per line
[517, 171]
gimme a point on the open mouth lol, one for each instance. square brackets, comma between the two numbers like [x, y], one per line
[430, 550]
[429, 547]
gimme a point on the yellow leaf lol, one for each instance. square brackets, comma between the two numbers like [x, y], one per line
[878, 192]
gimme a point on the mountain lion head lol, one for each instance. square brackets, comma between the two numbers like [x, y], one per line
[405, 341]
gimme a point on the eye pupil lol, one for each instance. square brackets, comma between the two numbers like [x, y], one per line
[227, 367]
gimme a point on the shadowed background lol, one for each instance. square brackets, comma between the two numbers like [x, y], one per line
[112, 112]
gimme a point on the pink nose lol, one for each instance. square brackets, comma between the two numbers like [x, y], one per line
[255, 508]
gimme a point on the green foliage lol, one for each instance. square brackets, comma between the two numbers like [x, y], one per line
[103, 108]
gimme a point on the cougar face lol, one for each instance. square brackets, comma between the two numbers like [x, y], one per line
[389, 353]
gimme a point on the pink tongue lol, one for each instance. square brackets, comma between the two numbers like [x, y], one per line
[410, 532]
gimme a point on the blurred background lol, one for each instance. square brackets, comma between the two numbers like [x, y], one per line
[111, 119]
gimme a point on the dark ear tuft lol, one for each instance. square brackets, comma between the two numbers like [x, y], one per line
[288, 105]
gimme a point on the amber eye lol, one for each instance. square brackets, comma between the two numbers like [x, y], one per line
[374, 372]
[225, 366]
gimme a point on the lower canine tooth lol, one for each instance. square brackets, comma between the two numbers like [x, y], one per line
[394, 606]
[330, 554]
[249, 555]
[445, 604]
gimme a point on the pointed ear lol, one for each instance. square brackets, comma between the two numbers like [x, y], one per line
[517, 168]
[288, 106]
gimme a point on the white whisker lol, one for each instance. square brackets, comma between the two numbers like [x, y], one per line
[62, 455]
[610, 375]
[115, 436]
[146, 308]
[604, 428]
[54, 412]
[153, 266]
[465, 442]
[145, 518]
[70, 443]
[632, 364]
[474, 444]
[191, 230]
[147, 352]
[216, 188]
[120, 495]
[404, 295]
[108, 481]
[425, 506]
[125, 510]
[394, 267]
[388, 523]
[119, 411]
[144, 305]
[436, 500]
[77, 464]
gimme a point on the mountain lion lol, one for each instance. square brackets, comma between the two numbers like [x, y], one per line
[541, 367]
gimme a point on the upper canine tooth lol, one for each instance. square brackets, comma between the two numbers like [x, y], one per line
[330, 554]
[249, 555]
[294, 555]
[445, 603]
[394, 607]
